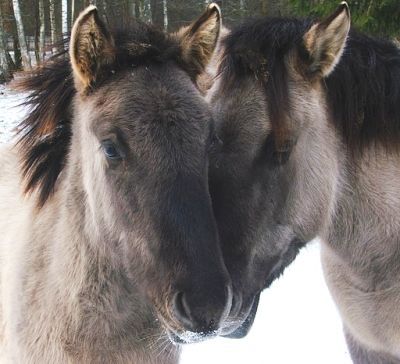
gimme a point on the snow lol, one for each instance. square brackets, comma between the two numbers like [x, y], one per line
[297, 321]
[10, 112]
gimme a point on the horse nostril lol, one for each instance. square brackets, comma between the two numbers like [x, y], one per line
[182, 310]
[228, 300]
[200, 312]
[236, 305]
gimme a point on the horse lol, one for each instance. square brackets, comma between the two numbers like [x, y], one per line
[109, 251]
[308, 114]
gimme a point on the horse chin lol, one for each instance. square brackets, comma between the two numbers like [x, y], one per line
[188, 337]
[246, 325]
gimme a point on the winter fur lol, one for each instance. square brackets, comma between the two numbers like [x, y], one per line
[310, 123]
[96, 251]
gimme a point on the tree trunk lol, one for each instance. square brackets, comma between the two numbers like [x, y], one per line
[26, 59]
[153, 10]
[5, 71]
[72, 12]
[159, 13]
[165, 14]
[138, 14]
[369, 8]
[156, 17]
[42, 35]
[131, 9]
[11, 64]
[17, 53]
[264, 7]
[37, 35]
[53, 31]
[64, 18]
[105, 9]
[147, 10]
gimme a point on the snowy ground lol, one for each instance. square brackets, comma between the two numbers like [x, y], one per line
[10, 113]
[296, 323]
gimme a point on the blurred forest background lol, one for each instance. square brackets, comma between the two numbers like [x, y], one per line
[29, 27]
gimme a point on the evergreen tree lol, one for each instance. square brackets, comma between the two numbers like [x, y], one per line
[380, 17]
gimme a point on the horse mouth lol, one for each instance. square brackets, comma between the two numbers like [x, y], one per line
[246, 325]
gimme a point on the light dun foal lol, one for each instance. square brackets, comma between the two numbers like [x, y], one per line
[108, 241]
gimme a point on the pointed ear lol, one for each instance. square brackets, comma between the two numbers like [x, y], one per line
[199, 39]
[325, 41]
[91, 48]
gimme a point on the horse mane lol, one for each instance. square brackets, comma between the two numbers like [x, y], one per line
[363, 91]
[44, 136]
[45, 133]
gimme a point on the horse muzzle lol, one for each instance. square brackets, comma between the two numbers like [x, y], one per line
[243, 327]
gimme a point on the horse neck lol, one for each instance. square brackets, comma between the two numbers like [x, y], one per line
[364, 230]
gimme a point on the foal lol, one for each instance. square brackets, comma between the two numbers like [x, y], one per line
[108, 241]
[309, 117]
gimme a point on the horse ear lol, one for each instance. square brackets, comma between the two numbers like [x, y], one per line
[91, 48]
[199, 39]
[325, 41]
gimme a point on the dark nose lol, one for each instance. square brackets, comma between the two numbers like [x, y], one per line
[203, 313]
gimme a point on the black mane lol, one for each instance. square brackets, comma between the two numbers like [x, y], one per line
[45, 134]
[363, 91]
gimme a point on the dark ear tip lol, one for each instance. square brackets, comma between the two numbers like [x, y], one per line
[344, 7]
[214, 8]
[85, 14]
[91, 9]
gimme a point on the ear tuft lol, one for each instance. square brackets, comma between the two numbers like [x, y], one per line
[91, 48]
[325, 41]
[199, 39]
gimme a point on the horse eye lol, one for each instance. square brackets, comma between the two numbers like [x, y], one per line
[110, 150]
[281, 157]
[277, 156]
[283, 153]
